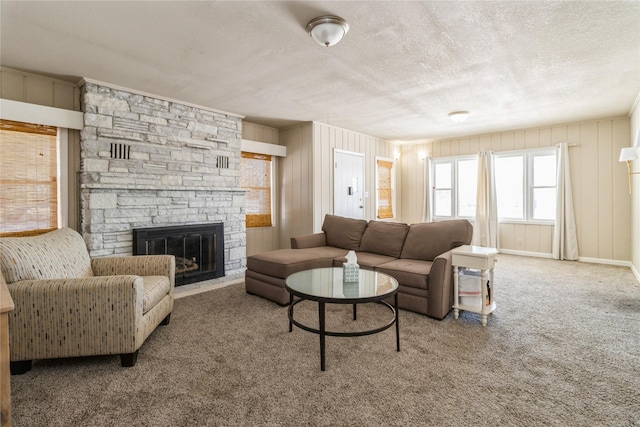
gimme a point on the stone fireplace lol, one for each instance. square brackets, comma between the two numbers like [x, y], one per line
[147, 162]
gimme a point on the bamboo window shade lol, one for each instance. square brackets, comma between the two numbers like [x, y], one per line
[255, 176]
[385, 189]
[28, 178]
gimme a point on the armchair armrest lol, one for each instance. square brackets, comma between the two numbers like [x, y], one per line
[75, 317]
[440, 289]
[309, 241]
[139, 265]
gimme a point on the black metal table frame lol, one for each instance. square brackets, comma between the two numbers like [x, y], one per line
[321, 317]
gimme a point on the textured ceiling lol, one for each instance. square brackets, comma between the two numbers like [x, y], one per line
[399, 71]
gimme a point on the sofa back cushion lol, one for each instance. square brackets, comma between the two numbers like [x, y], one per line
[384, 238]
[59, 254]
[426, 241]
[342, 232]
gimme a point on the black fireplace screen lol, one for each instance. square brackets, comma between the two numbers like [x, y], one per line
[199, 249]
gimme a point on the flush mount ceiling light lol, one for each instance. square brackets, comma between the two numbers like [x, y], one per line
[459, 116]
[327, 30]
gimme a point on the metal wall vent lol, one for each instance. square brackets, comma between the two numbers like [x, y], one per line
[222, 162]
[120, 151]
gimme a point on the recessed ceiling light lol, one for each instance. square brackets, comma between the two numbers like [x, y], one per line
[459, 116]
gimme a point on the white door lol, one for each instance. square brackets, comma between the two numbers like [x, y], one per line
[348, 184]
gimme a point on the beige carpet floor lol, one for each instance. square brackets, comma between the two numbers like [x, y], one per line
[562, 349]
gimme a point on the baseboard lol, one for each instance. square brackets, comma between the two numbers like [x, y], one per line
[605, 261]
[635, 272]
[525, 253]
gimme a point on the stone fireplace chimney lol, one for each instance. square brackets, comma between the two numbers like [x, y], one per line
[151, 162]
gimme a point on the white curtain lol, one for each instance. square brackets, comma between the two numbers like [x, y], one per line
[565, 240]
[485, 230]
[426, 206]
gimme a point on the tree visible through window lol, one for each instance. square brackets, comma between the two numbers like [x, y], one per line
[384, 184]
[255, 176]
[28, 178]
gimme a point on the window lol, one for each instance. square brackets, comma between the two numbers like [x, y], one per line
[28, 178]
[384, 188]
[526, 185]
[255, 175]
[455, 187]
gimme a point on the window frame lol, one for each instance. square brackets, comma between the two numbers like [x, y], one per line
[271, 189]
[62, 180]
[528, 188]
[392, 173]
[453, 161]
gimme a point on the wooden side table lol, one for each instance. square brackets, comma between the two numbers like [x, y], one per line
[478, 258]
[6, 305]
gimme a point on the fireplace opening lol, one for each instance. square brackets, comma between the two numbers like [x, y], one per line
[199, 249]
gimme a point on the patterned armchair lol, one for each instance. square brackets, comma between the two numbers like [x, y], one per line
[69, 305]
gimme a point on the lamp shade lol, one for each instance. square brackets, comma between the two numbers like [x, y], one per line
[627, 154]
[327, 30]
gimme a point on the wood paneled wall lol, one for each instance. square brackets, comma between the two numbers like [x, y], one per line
[33, 89]
[328, 138]
[635, 198]
[307, 179]
[600, 192]
[261, 239]
[296, 178]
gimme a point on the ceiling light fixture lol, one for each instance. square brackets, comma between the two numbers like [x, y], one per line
[327, 30]
[459, 116]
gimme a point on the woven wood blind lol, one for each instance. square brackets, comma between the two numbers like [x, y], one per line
[255, 175]
[28, 179]
[385, 191]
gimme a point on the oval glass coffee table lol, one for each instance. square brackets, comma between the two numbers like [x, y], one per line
[326, 286]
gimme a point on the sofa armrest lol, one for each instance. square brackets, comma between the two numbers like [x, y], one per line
[139, 265]
[75, 317]
[309, 241]
[440, 288]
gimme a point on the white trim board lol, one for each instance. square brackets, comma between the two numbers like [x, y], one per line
[263, 148]
[40, 114]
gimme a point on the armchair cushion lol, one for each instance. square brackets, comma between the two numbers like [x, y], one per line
[155, 288]
[59, 254]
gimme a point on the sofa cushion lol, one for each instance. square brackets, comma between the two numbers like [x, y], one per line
[365, 260]
[384, 238]
[426, 241]
[284, 262]
[409, 272]
[344, 233]
[59, 254]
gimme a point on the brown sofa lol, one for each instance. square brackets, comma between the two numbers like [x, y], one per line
[417, 255]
